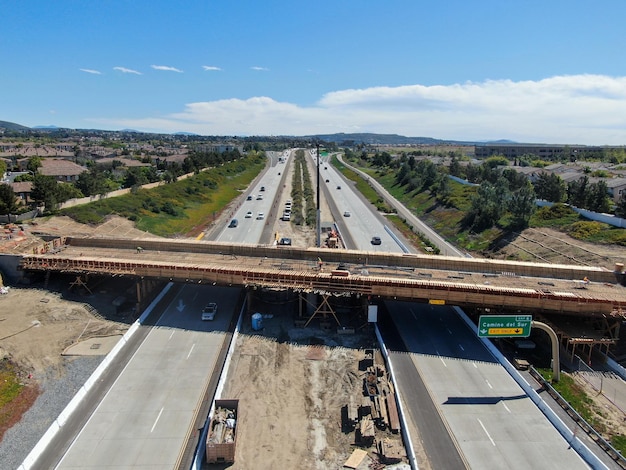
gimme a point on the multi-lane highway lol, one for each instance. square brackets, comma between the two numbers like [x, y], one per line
[468, 411]
[147, 416]
[462, 406]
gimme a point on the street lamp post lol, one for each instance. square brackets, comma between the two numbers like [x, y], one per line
[318, 221]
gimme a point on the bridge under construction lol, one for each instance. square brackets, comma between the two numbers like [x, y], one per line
[586, 295]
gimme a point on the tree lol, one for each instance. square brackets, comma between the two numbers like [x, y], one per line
[599, 197]
[578, 192]
[3, 168]
[92, 182]
[45, 191]
[551, 187]
[487, 207]
[455, 167]
[620, 208]
[34, 163]
[522, 205]
[8, 201]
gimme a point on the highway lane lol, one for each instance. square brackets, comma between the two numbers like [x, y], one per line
[146, 417]
[257, 200]
[362, 223]
[492, 421]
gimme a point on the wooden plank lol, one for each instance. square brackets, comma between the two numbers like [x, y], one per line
[353, 415]
[355, 459]
[394, 420]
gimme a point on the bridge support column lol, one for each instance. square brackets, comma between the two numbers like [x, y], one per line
[556, 361]
[144, 291]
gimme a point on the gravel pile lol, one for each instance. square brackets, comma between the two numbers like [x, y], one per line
[58, 388]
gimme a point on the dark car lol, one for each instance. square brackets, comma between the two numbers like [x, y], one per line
[338, 187]
[249, 198]
[376, 241]
[233, 223]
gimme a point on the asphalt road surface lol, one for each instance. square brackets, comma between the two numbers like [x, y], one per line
[491, 420]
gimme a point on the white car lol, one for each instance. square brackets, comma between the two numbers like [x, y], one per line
[260, 216]
[208, 313]
[248, 214]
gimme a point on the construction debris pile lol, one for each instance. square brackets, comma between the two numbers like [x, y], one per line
[221, 440]
[373, 414]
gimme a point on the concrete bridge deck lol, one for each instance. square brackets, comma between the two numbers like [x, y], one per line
[495, 284]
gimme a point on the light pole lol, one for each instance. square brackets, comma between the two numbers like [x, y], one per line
[318, 222]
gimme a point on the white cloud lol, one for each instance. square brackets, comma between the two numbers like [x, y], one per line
[260, 69]
[94, 72]
[577, 109]
[211, 67]
[166, 68]
[125, 70]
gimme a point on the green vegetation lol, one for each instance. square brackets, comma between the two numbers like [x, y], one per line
[584, 406]
[467, 215]
[15, 397]
[178, 207]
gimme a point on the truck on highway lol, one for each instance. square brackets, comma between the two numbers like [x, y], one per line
[222, 435]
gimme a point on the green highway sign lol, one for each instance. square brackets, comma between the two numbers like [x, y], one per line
[501, 326]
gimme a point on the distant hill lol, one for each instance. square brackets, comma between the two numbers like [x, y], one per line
[382, 139]
[341, 138]
[11, 126]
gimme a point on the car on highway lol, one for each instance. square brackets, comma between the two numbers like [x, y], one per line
[338, 187]
[347, 214]
[248, 214]
[259, 197]
[260, 216]
[328, 181]
[376, 241]
[233, 223]
[262, 188]
[208, 312]
[249, 198]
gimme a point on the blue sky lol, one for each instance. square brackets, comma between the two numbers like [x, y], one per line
[533, 71]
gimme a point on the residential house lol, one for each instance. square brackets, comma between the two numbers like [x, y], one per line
[62, 170]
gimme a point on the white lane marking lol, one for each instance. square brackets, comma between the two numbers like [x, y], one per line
[172, 334]
[474, 364]
[450, 332]
[413, 313]
[192, 346]
[488, 383]
[462, 348]
[485, 429]
[440, 358]
[156, 420]
[506, 407]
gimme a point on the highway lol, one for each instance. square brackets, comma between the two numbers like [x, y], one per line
[147, 416]
[362, 224]
[491, 420]
[473, 412]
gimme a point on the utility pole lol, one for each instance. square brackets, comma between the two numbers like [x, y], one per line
[318, 221]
